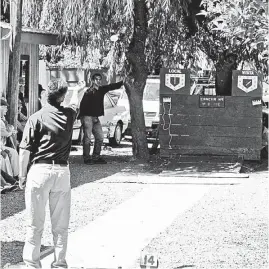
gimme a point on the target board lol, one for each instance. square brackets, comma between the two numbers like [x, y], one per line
[210, 125]
[246, 83]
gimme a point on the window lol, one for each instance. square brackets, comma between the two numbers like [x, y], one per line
[24, 75]
[152, 91]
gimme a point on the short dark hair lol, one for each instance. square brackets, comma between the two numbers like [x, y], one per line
[96, 75]
[56, 88]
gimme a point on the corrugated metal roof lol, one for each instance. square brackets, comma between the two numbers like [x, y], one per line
[28, 29]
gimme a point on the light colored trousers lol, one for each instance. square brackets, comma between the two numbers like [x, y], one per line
[6, 165]
[47, 182]
[14, 161]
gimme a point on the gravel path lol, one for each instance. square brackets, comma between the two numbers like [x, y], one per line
[228, 228]
[89, 201]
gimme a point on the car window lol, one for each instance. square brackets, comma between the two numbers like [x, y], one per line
[124, 96]
[115, 95]
[151, 92]
[107, 102]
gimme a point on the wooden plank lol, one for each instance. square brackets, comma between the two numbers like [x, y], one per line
[225, 142]
[247, 154]
[201, 150]
[193, 100]
[211, 121]
[39, 38]
[213, 131]
[205, 175]
[206, 158]
[231, 111]
[208, 167]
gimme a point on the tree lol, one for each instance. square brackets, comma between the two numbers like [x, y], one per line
[139, 28]
[14, 60]
[232, 32]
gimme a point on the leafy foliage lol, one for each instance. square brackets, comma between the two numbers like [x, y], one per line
[89, 24]
[235, 27]
[66, 56]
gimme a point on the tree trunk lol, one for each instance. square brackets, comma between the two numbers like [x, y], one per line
[135, 96]
[224, 72]
[14, 61]
[136, 80]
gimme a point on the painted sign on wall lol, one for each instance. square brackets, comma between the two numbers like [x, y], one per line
[175, 81]
[246, 83]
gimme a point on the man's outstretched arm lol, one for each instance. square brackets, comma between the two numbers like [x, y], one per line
[111, 87]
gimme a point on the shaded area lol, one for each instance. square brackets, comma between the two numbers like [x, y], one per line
[14, 202]
[82, 173]
[203, 164]
[255, 166]
[120, 160]
[11, 252]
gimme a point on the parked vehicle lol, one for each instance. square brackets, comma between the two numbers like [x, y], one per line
[203, 84]
[151, 107]
[114, 122]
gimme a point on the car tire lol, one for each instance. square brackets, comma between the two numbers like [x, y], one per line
[116, 139]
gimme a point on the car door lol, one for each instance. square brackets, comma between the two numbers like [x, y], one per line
[109, 110]
[113, 114]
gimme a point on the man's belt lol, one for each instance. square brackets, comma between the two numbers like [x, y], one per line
[52, 162]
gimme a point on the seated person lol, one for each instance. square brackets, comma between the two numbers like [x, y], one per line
[5, 164]
[6, 132]
[8, 183]
[6, 187]
[22, 119]
[22, 99]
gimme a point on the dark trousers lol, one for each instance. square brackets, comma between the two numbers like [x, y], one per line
[92, 125]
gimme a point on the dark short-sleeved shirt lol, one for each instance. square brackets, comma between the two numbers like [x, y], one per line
[48, 133]
[92, 103]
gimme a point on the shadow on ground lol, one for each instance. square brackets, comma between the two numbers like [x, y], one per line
[255, 166]
[82, 173]
[14, 202]
[119, 160]
[11, 252]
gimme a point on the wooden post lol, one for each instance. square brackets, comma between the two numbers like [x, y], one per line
[14, 61]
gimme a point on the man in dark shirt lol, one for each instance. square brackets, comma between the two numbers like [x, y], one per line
[92, 107]
[46, 141]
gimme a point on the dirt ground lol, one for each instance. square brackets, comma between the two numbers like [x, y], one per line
[106, 196]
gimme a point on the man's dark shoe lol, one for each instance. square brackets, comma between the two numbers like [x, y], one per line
[88, 162]
[100, 161]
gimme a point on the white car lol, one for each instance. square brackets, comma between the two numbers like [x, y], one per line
[151, 106]
[114, 122]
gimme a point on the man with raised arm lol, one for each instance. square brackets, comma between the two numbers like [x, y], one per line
[91, 108]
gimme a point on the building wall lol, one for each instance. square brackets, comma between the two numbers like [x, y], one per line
[3, 66]
[26, 49]
[32, 51]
